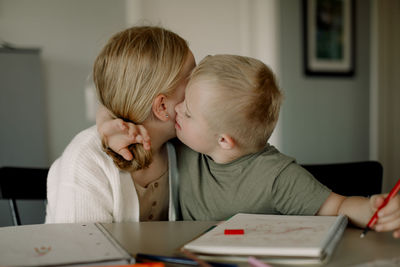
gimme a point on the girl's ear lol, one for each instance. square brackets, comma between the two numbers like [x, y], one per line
[226, 142]
[159, 108]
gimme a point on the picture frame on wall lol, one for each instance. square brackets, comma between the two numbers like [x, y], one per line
[329, 37]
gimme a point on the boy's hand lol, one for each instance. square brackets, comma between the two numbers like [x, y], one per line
[118, 135]
[389, 216]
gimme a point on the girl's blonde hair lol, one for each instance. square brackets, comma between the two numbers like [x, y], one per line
[250, 96]
[135, 66]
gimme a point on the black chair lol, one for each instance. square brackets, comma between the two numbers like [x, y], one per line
[24, 189]
[349, 179]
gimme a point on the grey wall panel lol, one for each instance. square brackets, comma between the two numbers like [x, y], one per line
[23, 140]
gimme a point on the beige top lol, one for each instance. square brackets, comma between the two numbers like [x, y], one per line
[153, 199]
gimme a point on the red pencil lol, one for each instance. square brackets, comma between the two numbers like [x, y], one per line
[374, 218]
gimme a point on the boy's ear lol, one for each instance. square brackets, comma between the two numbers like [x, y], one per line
[159, 108]
[226, 142]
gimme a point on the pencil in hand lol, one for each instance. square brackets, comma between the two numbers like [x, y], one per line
[374, 218]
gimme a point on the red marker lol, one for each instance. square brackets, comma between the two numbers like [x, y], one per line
[374, 218]
[234, 232]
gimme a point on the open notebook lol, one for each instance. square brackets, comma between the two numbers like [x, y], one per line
[274, 238]
[60, 245]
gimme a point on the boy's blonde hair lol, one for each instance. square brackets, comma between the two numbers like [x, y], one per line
[245, 98]
[135, 66]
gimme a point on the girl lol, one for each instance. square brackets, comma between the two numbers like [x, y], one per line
[140, 75]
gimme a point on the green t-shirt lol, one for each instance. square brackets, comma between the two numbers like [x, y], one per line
[266, 182]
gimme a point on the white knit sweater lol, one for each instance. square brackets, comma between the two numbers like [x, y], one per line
[84, 185]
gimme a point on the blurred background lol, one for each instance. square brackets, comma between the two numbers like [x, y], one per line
[46, 95]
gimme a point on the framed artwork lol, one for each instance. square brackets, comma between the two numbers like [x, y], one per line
[329, 37]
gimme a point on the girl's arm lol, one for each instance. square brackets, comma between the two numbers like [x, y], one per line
[78, 184]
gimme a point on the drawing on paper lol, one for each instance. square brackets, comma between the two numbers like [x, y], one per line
[273, 230]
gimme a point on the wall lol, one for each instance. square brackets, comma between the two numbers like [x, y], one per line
[23, 139]
[243, 27]
[323, 119]
[331, 116]
[70, 34]
[387, 88]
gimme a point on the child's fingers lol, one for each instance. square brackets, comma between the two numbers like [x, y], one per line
[126, 154]
[139, 140]
[389, 225]
[139, 134]
[117, 142]
[376, 201]
[133, 131]
[144, 133]
[392, 207]
[122, 124]
[111, 128]
[389, 217]
[145, 137]
[114, 126]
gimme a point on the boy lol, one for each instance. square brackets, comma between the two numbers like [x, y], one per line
[237, 171]
[230, 110]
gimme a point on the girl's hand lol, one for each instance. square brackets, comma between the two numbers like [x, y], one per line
[389, 216]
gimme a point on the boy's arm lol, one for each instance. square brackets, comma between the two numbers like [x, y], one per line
[117, 134]
[360, 210]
